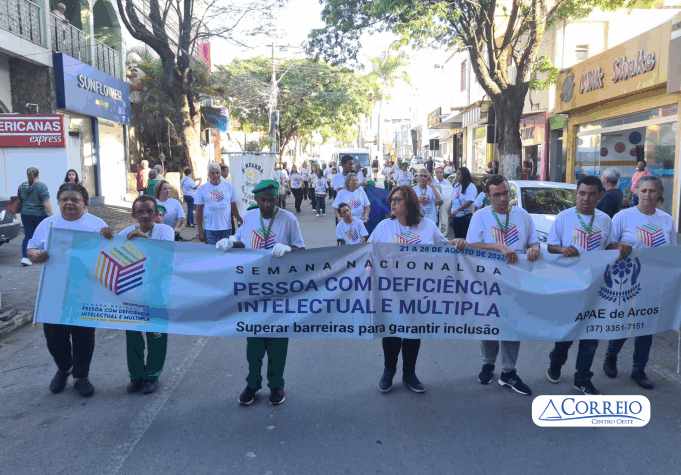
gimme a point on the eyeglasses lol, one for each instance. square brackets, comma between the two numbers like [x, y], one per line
[395, 200]
[503, 194]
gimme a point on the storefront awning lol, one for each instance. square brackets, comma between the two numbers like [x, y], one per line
[454, 121]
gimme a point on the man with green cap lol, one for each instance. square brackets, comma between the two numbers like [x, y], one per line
[269, 228]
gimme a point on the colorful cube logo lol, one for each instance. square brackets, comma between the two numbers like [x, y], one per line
[121, 269]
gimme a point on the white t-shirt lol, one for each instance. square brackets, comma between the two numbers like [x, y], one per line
[351, 233]
[386, 171]
[448, 170]
[160, 232]
[566, 230]
[357, 200]
[479, 200]
[285, 230]
[360, 176]
[640, 230]
[87, 222]
[174, 211]
[328, 174]
[520, 235]
[217, 201]
[296, 181]
[319, 186]
[338, 181]
[430, 208]
[390, 230]
[188, 185]
[403, 178]
[459, 198]
[305, 173]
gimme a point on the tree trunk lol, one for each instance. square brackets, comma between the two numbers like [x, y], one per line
[379, 145]
[508, 110]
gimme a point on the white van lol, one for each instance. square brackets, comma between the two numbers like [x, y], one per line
[359, 155]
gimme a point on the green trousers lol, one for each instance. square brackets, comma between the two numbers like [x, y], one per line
[157, 345]
[276, 349]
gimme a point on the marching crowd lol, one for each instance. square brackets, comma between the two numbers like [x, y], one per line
[418, 211]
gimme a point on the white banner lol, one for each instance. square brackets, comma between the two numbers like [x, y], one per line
[248, 170]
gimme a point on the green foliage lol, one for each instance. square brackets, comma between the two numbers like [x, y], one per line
[312, 96]
[544, 74]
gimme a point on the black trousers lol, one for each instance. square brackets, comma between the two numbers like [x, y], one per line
[410, 351]
[460, 226]
[59, 339]
[298, 195]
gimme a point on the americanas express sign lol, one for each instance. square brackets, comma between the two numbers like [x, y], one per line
[591, 411]
[32, 130]
[84, 89]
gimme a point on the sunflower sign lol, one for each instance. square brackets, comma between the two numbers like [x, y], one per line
[247, 170]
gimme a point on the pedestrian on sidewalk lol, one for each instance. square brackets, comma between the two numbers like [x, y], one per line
[72, 177]
[508, 230]
[276, 229]
[174, 215]
[320, 192]
[570, 236]
[406, 223]
[627, 227]
[71, 346]
[189, 187]
[296, 186]
[36, 206]
[143, 375]
[143, 177]
[151, 184]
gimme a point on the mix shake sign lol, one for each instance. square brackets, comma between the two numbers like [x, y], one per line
[622, 70]
[32, 130]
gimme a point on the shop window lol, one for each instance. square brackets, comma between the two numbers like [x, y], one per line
[464, 65]
[666, 111]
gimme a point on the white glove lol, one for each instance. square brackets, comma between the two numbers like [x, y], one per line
[225, 244]
[280, 249]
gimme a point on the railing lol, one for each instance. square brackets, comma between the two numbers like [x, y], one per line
[22, 18]
[107, 59]
[68, 39]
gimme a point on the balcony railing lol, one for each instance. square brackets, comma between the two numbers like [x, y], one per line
[107, 59]
[22, 18]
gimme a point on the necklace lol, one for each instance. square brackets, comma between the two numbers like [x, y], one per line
[504, 228]
[266, 234]
[584, 226]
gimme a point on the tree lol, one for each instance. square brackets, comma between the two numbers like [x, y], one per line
[313, 96]
[387, 69]
[494, 33]
[173, 29]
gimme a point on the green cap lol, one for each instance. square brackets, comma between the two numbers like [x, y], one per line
[161, 208]
[371, 183]
[266, 187]
[403, 164]
[253, 206]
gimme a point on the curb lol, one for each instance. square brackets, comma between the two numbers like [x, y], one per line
[12, 320]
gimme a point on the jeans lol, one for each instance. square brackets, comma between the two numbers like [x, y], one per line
[59, 343]
[212, 237]
[298, 195]
[585, 357]
[321, 203]
[276, 349]
[642, 345]
[509, 353]
[157, 346]
[190, 209]
[460, 225]
[30, 222]
[410, 352]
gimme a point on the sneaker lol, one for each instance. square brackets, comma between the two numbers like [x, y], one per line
[487, 373]
[277, 396]
[84, 387]
[318, 215]
[513, 381]
[58, 383]
[642, 380]
[248, 395]
[610, 365]
[386, 381]
[553, 373]
[323, 214]
[413, 383]
[26, 262]
[134, 385]
[587, 388]
[149, 386]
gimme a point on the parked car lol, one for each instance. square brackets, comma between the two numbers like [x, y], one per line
[9, 225]
[542, 199]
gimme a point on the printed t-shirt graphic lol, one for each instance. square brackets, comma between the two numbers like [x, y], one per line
[285, 229]
[578, 230]
[357, 200]
[520, 232]
[651, 235]
[390, 230]
[351, 233]
[641, 231]
[120, 269]
[217, 201]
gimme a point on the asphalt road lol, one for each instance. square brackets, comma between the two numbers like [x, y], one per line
[334, 420]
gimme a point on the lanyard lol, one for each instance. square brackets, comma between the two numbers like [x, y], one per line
[266, 234]
[423, 193]
[147, 233]
[504, 228]
[584, 226]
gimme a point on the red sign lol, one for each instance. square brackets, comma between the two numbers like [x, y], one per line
[32, 130]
